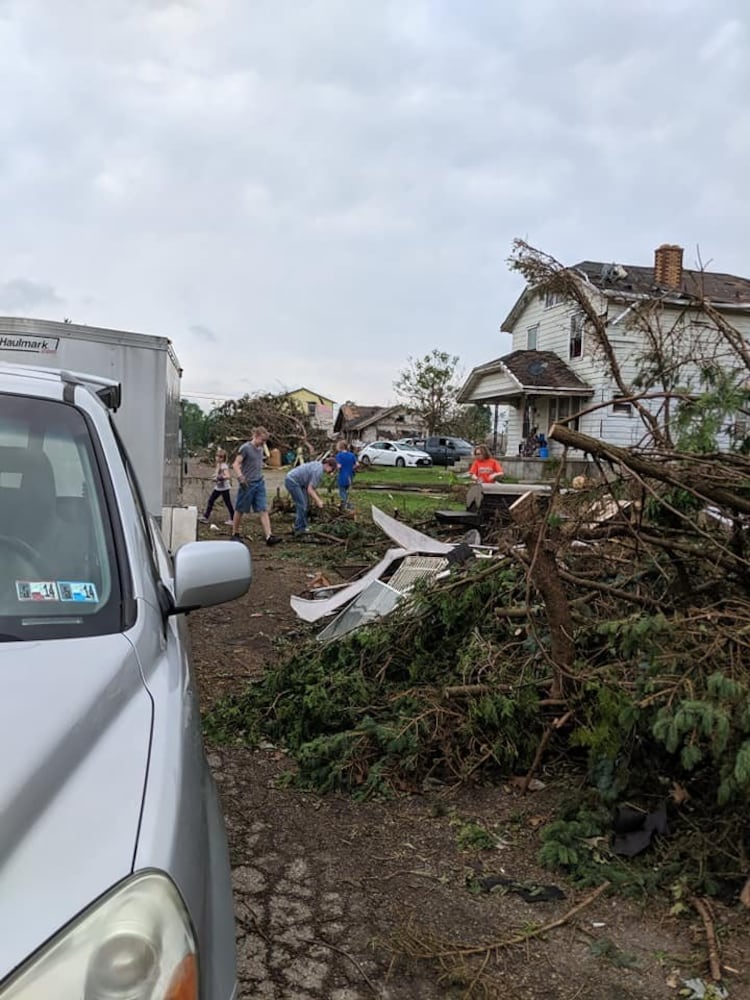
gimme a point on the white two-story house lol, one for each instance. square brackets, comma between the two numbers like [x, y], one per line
[557, 367]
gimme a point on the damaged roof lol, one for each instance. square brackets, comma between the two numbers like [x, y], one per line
[725, 288]
[352, 417]
[538, 372]
[725, 291]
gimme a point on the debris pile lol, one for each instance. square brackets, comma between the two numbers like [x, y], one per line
[599, 631]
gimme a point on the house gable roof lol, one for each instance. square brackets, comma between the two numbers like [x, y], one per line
[534, 372]
[724, 290]
[352, 417]
[321, 399]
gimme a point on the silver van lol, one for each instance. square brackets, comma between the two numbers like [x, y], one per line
[114, 869]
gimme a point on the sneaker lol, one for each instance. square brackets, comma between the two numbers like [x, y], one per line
[230, 523]
[237, 538]
[273, 540]
[203, 519]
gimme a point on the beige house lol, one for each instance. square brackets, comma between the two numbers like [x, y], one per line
[318, 408]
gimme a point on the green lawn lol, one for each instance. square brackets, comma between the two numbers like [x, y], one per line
[409, 505]
[389, 497]
[434, 476]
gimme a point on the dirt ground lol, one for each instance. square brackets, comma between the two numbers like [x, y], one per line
[330, 892]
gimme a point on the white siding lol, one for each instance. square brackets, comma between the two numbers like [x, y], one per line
[554, 335]
[491, 385]
[628, 342]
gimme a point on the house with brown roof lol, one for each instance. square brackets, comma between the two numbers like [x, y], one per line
[556, 368]
[364, 424]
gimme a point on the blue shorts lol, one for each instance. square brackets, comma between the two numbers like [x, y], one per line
[251, 498]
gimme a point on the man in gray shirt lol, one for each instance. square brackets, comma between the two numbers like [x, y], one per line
[251, 495]
[301, 485]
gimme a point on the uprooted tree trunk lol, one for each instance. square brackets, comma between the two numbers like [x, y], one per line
[545, 577]
[680, 471]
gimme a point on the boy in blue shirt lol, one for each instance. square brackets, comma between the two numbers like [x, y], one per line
[347, 462]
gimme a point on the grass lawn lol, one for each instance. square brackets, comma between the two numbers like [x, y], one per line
[409, 505]
[436, 475]
[390, 498]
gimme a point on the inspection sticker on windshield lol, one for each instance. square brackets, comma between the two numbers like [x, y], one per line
[79, 590]
[37, 590]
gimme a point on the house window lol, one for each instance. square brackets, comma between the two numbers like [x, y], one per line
[311, 409]
[618, 406]
[560, 409]
[552, 299]
[576, 336]
[531, 336]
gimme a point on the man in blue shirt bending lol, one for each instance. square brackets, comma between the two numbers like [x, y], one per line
[301, 485]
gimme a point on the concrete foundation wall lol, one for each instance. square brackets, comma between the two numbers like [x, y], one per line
[539, 470]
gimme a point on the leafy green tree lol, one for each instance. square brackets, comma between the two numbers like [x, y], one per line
[196, 426]
[429, 386]
[471, 422]
[287, 424]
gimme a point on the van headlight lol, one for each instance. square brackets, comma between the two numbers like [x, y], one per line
[136, 943]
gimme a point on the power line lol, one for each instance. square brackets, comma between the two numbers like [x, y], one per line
[209, 395]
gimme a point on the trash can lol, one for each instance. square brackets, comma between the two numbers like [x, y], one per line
[274, 458]
[544, 452]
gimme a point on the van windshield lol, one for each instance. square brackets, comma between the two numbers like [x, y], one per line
[58, 570]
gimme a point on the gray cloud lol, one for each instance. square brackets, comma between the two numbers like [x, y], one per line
[336, 186]
[21, 294]
[202, 332]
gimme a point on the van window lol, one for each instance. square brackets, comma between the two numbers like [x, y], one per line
[58, 570]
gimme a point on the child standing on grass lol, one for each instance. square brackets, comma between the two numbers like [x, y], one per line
[222, 487]
[347, 462]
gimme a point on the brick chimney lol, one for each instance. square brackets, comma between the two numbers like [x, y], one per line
[668, 266]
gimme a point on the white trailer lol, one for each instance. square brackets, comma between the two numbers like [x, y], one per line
[147, 368]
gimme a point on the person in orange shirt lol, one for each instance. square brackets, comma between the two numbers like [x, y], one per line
[485, 469]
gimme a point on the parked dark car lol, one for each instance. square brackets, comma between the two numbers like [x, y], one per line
[442, 450]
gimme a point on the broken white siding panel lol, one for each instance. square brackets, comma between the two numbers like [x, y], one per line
[312, 610]
[375, 601]
[406, 537]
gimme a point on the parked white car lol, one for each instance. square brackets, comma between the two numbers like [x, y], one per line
[393, 453]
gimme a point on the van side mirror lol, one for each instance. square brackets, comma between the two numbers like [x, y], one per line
[208, 573]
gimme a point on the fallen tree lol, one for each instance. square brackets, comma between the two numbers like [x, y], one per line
[613, 632]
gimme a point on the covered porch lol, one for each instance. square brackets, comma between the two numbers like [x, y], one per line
[538, 389]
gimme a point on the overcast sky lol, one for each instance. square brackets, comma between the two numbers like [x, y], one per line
[309, 192]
